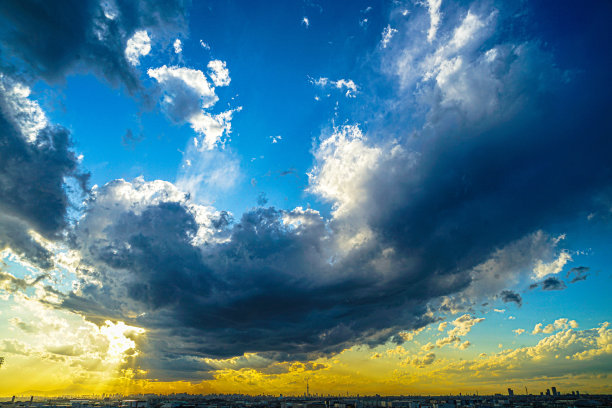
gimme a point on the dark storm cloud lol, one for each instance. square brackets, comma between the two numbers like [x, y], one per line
[580, 273]
[553, 284]
[32, 177]
[268, 289]
[510, 296]
[474, 190]
[54, 39]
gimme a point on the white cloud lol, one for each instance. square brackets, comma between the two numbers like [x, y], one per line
[387, 34]
[178, 46]
[433, 6]
[343, 163]
[275, 139]
[499, 310]
[213, 126]
[341, 84]
[559, 324]
[462, 326]
[119, 196]
[469, 30]
[519, 331]
[219, 73]
[137, 46]
[187, 94]
[349, 85]
[542, 269]
[204, 45]
[174, 78]
[305, 21]
[25, 113]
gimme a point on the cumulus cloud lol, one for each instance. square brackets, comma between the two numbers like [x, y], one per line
[559, 324]
[137, 46]
[426, 360]
[178, 46]
[344, 160]
[219, 73]
[567, 352]
[461, 327]
[187, 96]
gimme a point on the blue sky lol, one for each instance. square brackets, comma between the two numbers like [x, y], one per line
[217, 191]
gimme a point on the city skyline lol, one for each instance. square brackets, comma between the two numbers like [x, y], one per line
[366, 197]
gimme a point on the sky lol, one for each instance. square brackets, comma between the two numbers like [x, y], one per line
[376, 197]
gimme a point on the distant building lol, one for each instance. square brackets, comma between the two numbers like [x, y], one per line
[510, 392]
[547, 392]
[554, 390]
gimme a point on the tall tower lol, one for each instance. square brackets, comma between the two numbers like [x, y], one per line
[307, 390]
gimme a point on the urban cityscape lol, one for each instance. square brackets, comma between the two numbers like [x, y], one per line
[551, 398]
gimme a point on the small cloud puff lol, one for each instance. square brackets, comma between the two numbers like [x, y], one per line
[341, 84]
[137, 46]
[178, 46]
[219, 73]
[387, 34]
